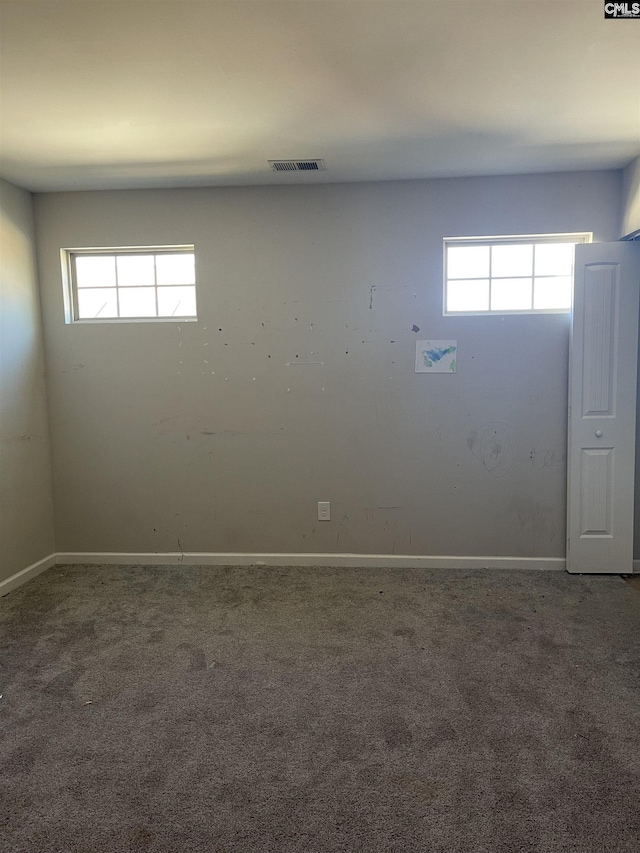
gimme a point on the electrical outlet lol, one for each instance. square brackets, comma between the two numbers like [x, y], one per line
[324, 511]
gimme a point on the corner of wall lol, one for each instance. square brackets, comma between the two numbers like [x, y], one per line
[27, 535]
[630, 220]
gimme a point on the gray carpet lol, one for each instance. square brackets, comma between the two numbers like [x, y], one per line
[314, 710]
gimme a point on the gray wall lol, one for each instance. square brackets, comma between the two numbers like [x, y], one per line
[26, 506]
[631, 198]
[223, 434]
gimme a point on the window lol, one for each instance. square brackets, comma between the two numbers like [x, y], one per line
[131, 284]
[509, 275]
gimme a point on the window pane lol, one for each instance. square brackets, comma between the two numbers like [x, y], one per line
[554, 259]
[97, 304]
[176, 269]
[511, 260]
[553, 293]
[95, 271]
[511, 294]
[136, 270]
[469, 295]
[467, 261]
[137, 302]
[177, 301]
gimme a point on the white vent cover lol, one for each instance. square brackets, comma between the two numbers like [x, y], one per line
[297, 165]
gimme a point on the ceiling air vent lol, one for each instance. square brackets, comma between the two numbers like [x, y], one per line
[297, 165]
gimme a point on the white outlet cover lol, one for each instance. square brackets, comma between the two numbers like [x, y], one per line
[324, 511]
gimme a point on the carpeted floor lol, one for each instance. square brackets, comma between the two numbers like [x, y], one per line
[318, 710]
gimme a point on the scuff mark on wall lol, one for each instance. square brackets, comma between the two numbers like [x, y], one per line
[534, 518]
[234, 432]
[225, 432]
[493, 446]
[546, 459]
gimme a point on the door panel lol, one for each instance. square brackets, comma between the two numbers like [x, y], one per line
[602, 408]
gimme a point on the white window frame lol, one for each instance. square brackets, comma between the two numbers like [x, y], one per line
[70, 287]
[573, 237]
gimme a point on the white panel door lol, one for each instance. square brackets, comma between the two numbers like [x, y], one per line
[603, 362]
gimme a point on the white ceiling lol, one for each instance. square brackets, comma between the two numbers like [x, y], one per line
[148, 93]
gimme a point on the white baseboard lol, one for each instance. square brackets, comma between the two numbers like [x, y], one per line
[21, 577]
[370, 561]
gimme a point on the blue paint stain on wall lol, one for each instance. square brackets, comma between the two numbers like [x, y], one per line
[436, 356]
[432, 356]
